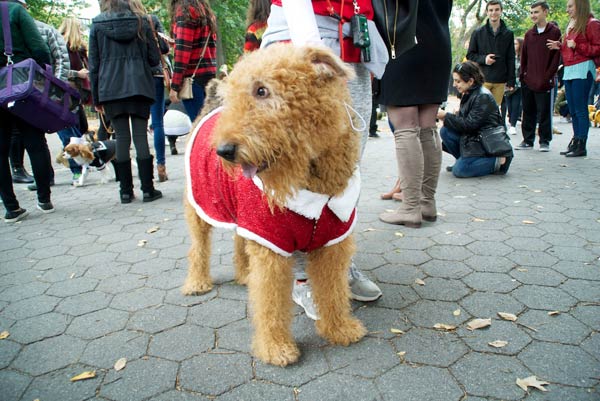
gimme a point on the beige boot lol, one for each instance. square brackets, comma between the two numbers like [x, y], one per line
[432, 163]
[162, 172]
[410, 170]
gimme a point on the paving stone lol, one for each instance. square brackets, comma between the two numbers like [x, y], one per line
[478, 340]
[13, 384]
[333, 387]
[57, 385]
[158, 318]
[7, 243]
[428, 313]
[98, 324]
[256, 390]
[233, 291]
[368, 358]
[592, 345]
[368, 261]
[141, 379]
[440, 289]
[24, 291]
[304, 332]
[84, 303]
[492, 282]
[578, 270]
[533, 258]
[407, 257]
[583, 290]
[545, 298]
[182, 342]
[106, 269]
[449, 252]
[397, 274]
[175, 252]
[20, 277]
[379, 321]
[572, 253]
[588, 314]
[493, 376]
[175, 395]
[561, 393]
[564, 240]
[49, 251]
[446, 269]
[49, 354]
[485, 304]
[153, 267]
[167, 280]
[311, 365]
[36, 328]
[121, 284]
[138, 299]
[29, 307]
[527, 244]
[524, 231]
[489, 248]
[8, 352]
[105, 351]
[452, 238]
[559, 363]
[490, 264]
[538, 276]
[430, 347]
[217, 313]
[72, 287]
[423, 383]
[175, 297]
[215, 374]
[561, 328]
[235, 336]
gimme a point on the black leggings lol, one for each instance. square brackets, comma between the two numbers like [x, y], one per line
[123, 136]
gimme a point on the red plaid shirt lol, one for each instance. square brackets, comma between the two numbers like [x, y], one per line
[190, 38]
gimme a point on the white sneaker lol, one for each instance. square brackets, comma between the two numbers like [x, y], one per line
[302, 296]
[361, 288]
[512, 131]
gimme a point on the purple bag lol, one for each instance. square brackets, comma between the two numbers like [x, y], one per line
[34, 94]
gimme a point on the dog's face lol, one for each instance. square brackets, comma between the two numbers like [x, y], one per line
[79, 152]
[283, 108]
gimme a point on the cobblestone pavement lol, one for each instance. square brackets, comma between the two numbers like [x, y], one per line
[78, 292]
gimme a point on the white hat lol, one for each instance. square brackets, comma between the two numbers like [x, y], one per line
[22, 2]
[176, 123]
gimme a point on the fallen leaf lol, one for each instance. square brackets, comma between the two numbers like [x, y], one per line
[419, 281]
[564, 165]
[399, 234]
[554, 313]
[4, 335]
[456, 312]
[153, 229]
[528, 222]
[522, 186]
[449, 232]
[522, 270]
[142, 242]
[478, 324]
[517, 201]
[442, 326]
[498, 343]
[531, 381]
[459, 197]
[120, 364]
[507, 316]
[477, 219]
[153, 252]
[396, 331]
[84, 376]
[366, 230]
[401, 354]
[72, 275]
[537, 191]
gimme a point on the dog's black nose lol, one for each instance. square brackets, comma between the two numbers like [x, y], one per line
[227, 151]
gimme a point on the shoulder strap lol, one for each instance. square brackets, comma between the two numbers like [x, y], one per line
[6, 31]
[202, 54]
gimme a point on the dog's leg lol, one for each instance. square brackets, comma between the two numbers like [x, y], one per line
[240, 260]
[328, 274]
[270, 294]
[198, 279]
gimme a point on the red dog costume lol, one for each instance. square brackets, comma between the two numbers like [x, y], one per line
[308, 222]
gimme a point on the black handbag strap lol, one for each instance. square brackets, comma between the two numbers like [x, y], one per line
[8, 51]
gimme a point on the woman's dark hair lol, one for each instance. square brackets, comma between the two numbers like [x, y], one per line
[520, 40]
[119, 6]
[258, 11]
[205, 15]
[468, 70]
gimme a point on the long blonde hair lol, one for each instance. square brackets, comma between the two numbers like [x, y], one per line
[582, 15]
[71, 32]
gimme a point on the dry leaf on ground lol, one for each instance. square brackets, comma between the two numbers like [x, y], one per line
[507, 316]
[479, 324]
[498, 343]
[522, 270]
[528, 222]
[142, 242]
[399, 234]
[477, 219]
[442, 326]
[531, 381]
[554, 313]
[120, 364]
[366, 230]
[401, 354]
[4, 335]
[153, 229]
[419, 281]
[84, 376]
[456, 312]
[396, 331]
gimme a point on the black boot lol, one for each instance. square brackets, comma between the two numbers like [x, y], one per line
[146, 170]
[570, 147]
[123, 170]
[172, 144]
[579, 148]
[21, 176]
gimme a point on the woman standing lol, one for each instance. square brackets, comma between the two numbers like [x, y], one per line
[581, 44]
[122, 52]
[256, 22]
[412, 88]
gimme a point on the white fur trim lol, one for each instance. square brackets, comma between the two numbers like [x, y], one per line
[344, 204]
[244, 233]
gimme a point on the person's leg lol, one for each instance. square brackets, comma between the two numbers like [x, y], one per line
[579, 111]
[39, 154]
[543, 102]
[432, 159]
[144, 158]
[466, 167]
[157, 111]
[497, 90]
[529, 116]
[122, 135]
[9, 199]
[450, 141]
[17, 157]
[194, 105]
[504, 109]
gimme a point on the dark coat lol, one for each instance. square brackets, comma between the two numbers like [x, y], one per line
[478, 110]
[538, 63]
[120, 61]
[484, 42]
[26, 39]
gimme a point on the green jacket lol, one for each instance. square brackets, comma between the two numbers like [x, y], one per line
[26, 39]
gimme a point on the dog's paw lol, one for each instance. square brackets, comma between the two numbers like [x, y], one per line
[277, 354]
[196, 288]
[342, 333]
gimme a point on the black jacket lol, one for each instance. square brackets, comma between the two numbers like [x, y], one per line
[484, 42]
[120, 59]
[478, 110]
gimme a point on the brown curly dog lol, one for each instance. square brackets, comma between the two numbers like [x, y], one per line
[277, 163]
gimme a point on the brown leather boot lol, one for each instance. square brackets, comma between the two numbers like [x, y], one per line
[432, 164]
[162, 172]
[409, 156]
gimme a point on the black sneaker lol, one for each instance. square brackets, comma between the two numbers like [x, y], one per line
[449, 168]
[15, 215]
[33, 187]
[544, 147]
[45, 207]
[524, 145]
[373, 134]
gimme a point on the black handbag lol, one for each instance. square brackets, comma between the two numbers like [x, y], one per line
[495, 141]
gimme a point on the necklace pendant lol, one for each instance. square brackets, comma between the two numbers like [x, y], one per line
[393, 54]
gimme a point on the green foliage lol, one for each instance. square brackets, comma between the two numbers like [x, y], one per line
[231, 20]
[54, 11]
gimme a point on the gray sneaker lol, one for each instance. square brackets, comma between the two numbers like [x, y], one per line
[302, 296]
[544, 147]
[361, 288]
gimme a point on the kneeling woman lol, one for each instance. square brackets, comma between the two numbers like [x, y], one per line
[460, 134]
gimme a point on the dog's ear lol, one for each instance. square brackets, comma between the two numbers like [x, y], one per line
[72, 149]
[86, 152]
[327, 64]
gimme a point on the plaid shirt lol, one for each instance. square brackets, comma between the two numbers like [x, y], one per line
[190, 38]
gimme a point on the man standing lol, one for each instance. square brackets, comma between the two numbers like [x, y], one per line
[492, 47]
[538, 70]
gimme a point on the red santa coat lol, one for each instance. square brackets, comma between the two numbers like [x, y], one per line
[308, 222]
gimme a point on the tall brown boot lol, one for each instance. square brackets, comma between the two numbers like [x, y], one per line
[432, 164]
[409, 156]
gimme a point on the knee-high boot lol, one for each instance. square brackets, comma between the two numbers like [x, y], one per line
[16, 156]
[409, 156]
[146, 170]
[432, 163]
[123, 172]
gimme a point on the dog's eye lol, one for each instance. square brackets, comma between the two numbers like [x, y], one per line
[262, 92]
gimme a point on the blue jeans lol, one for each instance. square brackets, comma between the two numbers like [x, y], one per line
[514, 106]
[465, 166]
[577, 91]
[65, 136]
[193, 106]
[157, 112]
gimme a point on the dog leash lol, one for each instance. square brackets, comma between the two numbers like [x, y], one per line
[109, 130]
